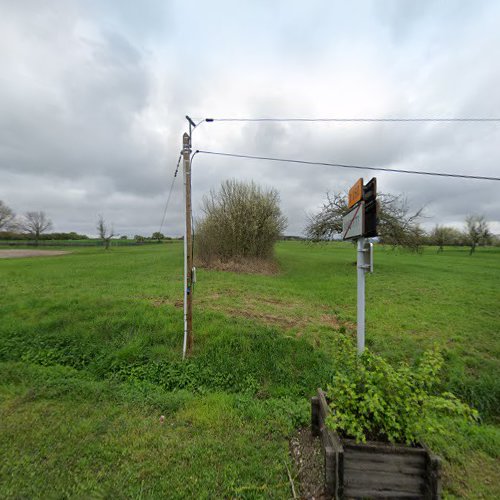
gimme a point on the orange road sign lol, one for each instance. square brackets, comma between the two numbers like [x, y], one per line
[356, 193]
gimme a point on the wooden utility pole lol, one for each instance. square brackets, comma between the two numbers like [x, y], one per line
[188, 250]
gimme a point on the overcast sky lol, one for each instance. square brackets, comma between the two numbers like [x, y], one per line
[93, 95]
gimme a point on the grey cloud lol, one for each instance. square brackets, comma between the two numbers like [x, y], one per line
[83, 125]
[93, 95]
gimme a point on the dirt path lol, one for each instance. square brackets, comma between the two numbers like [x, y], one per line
[14, 254]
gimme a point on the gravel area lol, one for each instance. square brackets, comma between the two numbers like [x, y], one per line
[309, 465]
[15, 254]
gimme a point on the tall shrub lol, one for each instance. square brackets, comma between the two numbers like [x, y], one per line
[240, 220]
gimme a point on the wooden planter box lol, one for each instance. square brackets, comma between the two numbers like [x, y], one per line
[373, 469]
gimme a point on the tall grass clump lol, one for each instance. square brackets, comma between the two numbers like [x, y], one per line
[241, 221]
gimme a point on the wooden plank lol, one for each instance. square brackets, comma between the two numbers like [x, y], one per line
[340, 474]
[384, 481]
[335, 441]
[325, 441]
[364, 493]
[408, 460]
[379, 447]
[324, 409]
[330, 471]
[329, 437]
[433, 477]
[386, 466]
[315, 424]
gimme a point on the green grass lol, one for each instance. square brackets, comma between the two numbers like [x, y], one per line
[90, 348]
[89, 439]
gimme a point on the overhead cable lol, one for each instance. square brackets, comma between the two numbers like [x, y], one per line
[429, 119]
[342, 165]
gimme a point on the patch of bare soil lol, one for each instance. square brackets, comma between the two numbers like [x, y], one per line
[14, 254]
[283, 313]
[269, 319]
[306, 453]
[160, 301]
[246, 266]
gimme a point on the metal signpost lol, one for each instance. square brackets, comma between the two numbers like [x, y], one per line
[358, 223]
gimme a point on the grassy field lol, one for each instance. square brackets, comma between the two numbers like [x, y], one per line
[90, 347]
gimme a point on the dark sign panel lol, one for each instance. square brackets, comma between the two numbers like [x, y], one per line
[371, 208]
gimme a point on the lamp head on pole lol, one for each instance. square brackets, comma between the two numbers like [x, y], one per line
[191, 122]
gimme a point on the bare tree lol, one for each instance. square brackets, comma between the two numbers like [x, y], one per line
[7, 217]
[397, 225]
[35, 224]
[327, 223]
[476, 231]
[105, 233]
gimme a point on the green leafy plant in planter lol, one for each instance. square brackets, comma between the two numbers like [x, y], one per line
[372, 400]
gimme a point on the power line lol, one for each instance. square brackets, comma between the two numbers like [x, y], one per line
[477, 119]
[170, 193]
[341, 165]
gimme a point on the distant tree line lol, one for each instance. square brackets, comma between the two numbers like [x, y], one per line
[9, 235]
[33, 227]
[293, 238]
[157, 237]
[476, 233]
[244, 220]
